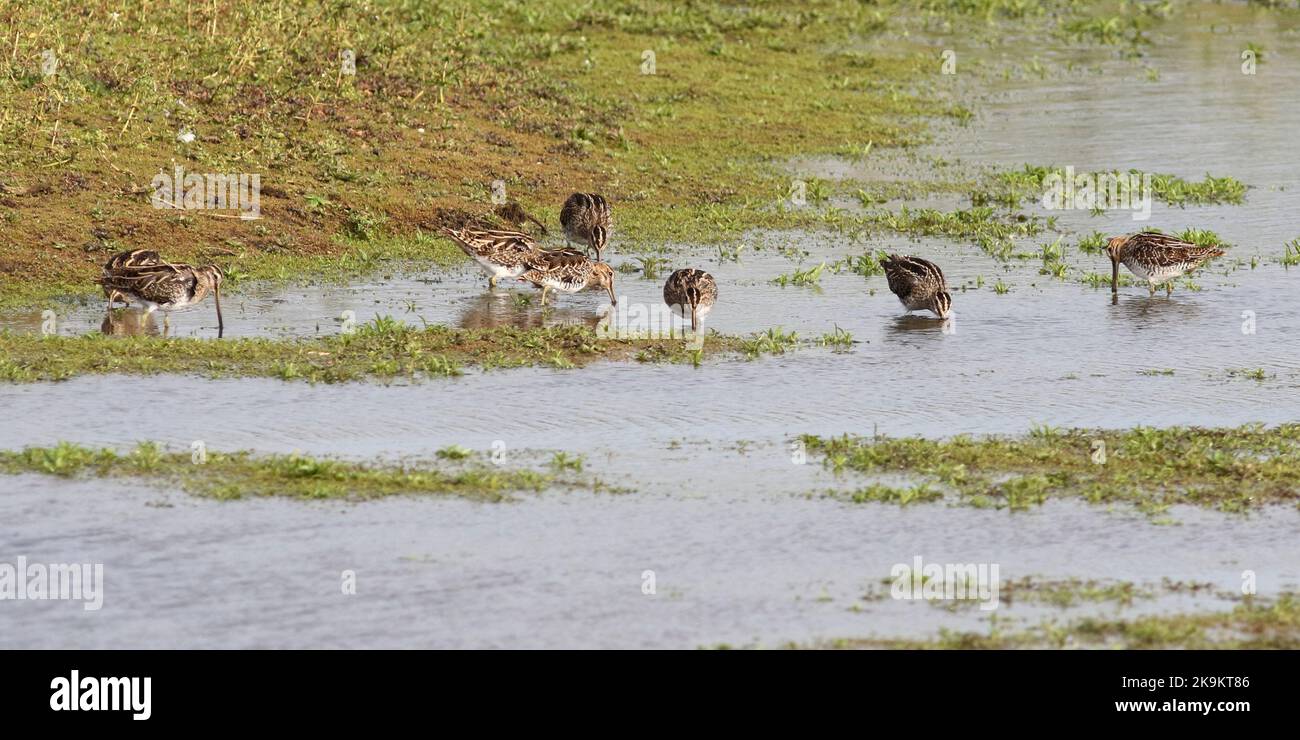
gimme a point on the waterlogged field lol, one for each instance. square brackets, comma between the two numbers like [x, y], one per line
[381, 451]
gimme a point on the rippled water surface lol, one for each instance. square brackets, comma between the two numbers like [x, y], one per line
[715, 506]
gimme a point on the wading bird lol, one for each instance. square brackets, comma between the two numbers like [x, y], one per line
[691, 292]
[918, 283]
[164, 285]
[1156, 258]
[568, 271]
[586, 220]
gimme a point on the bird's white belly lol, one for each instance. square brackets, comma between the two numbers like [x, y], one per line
[562, 286]
[913, 305]
[498, 270]
[1155, 275]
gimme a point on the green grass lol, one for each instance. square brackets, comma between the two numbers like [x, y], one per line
[447, 97]
[1252, 624]
[1291, 254]
[382, 349]
[242, 474]
[1232, 470]
[774, 341]
[807, 277]
[1010, 188]
[838, 340]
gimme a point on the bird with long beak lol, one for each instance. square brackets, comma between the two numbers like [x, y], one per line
[568, 271]
[918, 283]
[586, 219]
[691, 292]
[164, 285]
[1156, 258]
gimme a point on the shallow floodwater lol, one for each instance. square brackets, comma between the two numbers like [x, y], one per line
[743, 546]
[563, 570]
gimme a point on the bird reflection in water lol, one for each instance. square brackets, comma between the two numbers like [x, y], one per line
[522, 310]
[129, 322]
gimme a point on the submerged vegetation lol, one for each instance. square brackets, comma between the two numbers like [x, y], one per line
[1010, 188]
[1233, 470]
[1252, 624]
[243, 474]
[382, 349]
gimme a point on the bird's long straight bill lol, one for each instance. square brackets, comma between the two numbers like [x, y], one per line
[1114, 276]
[221, 325]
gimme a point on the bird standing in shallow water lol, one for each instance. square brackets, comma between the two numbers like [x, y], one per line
[918, 283]
[691, 292]
[165, 285]
[586, 220]
[1156, 258]
[568, 271]
[500, 253]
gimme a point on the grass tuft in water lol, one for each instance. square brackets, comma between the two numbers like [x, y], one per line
[242, 474]
[1232, 470]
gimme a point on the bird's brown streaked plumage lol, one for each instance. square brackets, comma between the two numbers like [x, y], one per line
[128, 259]
[499, 252]
[691, 292]
[1156, 258]
[514, 214]
[918, 283]
[568, 271]
[586, 219]
[166, 285]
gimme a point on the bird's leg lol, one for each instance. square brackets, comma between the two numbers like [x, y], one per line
[545, 288]
[492, 281]
[1169, 288]
[1151, 287]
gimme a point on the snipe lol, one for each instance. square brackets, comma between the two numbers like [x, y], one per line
[158, 284]
[918, 283]
[568, 271]
[1156, 258]
[691, 292]
[586, 219]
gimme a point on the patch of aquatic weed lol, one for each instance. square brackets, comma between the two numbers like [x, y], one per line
[1235, 470]
[992, 232]
[1009, 188]
[238, 475]
[1253, 624]
[383, 349]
